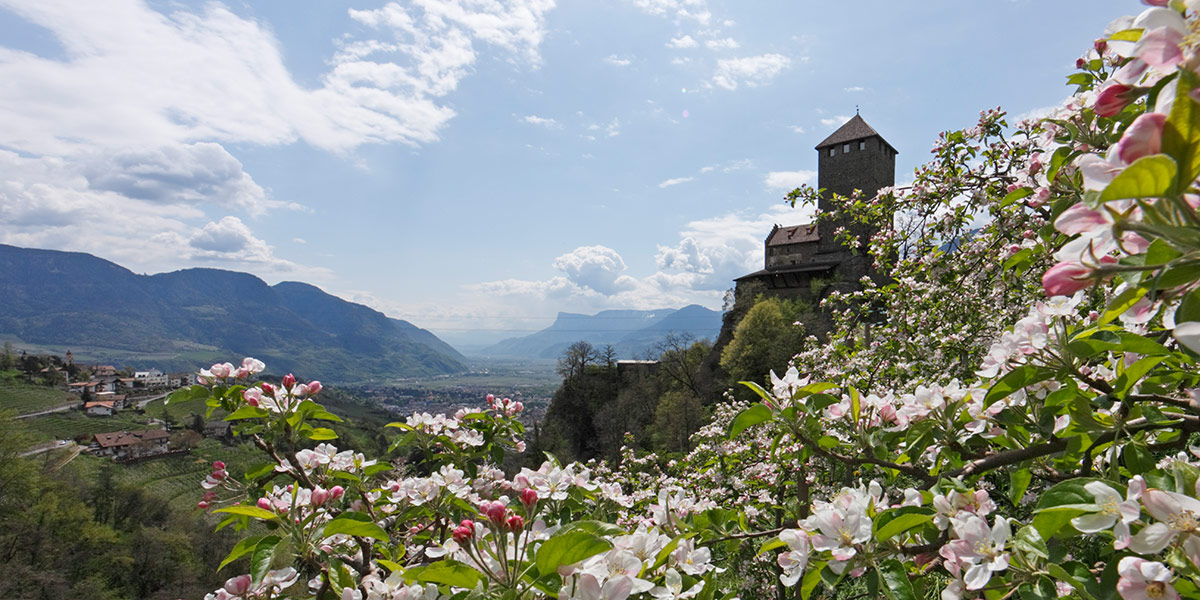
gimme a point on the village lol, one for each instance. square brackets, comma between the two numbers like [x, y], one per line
[102, 392]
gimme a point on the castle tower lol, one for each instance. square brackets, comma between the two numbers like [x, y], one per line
[799, 259]
[853, 157]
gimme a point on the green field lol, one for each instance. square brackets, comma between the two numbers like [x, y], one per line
[68, 425]
[22, 398]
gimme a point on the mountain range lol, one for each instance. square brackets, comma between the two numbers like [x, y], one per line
[187, 319]
[632, 333]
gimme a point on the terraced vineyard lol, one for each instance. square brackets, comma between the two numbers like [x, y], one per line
[21, 398]
[68, 425]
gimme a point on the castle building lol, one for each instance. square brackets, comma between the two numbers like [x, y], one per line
[855, 157]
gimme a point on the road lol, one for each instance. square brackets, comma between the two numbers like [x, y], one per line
[62, 408]
[48, 447]
[142, 403]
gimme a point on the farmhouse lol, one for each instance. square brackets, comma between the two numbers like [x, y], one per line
[131, 444]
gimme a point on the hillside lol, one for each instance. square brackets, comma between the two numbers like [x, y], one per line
[70, 299]
[630, 332]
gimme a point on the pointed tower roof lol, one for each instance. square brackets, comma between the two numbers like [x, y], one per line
[854, 129]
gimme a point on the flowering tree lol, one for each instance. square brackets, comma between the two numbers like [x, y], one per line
[1021, 425]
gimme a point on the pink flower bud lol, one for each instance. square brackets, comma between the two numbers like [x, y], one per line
[319, 496]
[289, 380]
[314, 388]
[202, 505]
[252, 396]
[518, 407]
[336, 492]
[238, 585]
[265, 504]
[1066, 278]
[209, 496]
[1142, 138]
[462, 534]
[1113, 98]
[1080, 63]
[496, 512]
[515, 523]
[491, 400]
[218, 466]
[1101, 46]
[219, 475]
[268, 389]
[529, 497]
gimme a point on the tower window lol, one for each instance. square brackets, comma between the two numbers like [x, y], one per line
[862, 144]
[845, 148]
[832, 151]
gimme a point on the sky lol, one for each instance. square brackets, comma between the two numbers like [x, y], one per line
[477, 166]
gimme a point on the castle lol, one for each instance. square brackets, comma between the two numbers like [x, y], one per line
[855, 157]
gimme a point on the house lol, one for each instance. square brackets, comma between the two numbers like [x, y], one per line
[100, 408]
[151, 378]
[799, 259]
[118, 400]
[83, 386]
[127, 383]
[123, 445]
[222, 430]
[103, 371]
[178, 380]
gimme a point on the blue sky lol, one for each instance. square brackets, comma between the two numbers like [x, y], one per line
[476, 166]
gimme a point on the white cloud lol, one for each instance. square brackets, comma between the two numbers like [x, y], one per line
[694, 10]
[596, 267]
[617, 61]
[675, 181]
[135, 77]
[750, 70]
[185, 174]
[854, 89]
[613, 129]
[540, 121]
[712, 252]
[47, 202]
[682, 42]
[722, 44]
[836, 121]
[788, 180]
[797, 128]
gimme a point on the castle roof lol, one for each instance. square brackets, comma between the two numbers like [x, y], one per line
[795, 234]
[854, 129]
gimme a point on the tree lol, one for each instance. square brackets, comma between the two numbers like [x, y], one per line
[764, 340]
[576, 358]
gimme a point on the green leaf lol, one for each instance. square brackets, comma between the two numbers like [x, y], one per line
[1148, 177]
[896, 585]
[1181, 135]
[1016, 379]
[754, 415]
[594, 527]
[1063, 575]
[195, 392]
[322, 433]
[1189, 308]
[1029, 541]
[855, 404]
[569, 547]
[355, 524]
[901, 524]
[769, 545]
[249, 511]
[247, 412]
[758, 389]
[261, 557]
[1127, 35]
[811, 579]
[1123, 302]
[1134, 373]
[1018, 482]
[243, 548]
[450, 572]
